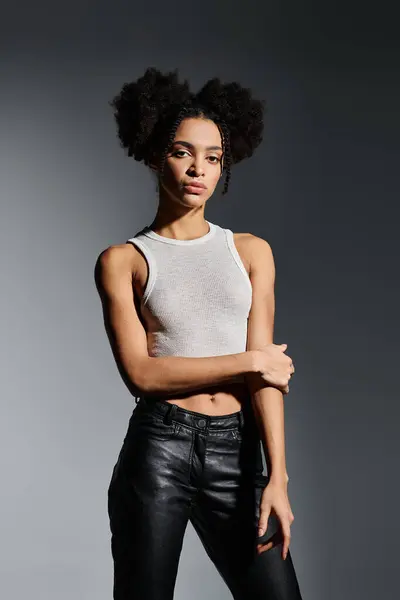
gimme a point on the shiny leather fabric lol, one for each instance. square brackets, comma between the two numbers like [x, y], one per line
[177, 465]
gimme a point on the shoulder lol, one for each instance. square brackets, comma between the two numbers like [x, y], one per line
[113, 261]
[257, 250]
[116, 255]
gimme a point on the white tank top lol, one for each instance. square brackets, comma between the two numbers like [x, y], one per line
[198, 294]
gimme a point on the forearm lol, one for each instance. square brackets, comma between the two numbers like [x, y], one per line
[268, 406]
[166, 375]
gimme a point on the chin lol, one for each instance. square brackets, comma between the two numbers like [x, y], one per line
[192, 202]
[197, 198]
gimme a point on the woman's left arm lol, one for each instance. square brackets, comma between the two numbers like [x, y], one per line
[267, 401]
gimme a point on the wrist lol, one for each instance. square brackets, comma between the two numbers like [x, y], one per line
[279, 477]
[250, 362]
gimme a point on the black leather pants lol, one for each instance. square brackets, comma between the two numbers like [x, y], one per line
[177, 465]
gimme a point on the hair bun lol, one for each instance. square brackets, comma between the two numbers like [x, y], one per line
[140, 104]
[242, 113]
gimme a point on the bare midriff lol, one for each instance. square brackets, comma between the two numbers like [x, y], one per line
[214, 401]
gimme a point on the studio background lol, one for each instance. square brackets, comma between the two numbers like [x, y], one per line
[322, 189]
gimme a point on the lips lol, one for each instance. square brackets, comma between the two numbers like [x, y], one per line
[194, 189]
[194, 184]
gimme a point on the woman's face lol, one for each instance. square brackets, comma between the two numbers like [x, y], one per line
[195, 157]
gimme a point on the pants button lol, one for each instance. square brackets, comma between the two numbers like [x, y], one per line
[201, 423]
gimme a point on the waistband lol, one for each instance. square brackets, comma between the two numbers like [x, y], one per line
[172, 412]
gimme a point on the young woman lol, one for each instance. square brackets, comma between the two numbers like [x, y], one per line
[189, 309]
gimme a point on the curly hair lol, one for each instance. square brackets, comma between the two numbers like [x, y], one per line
[148, 112]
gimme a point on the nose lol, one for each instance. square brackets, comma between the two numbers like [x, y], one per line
[196, 168]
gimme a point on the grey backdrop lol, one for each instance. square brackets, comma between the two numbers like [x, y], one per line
[322, 190]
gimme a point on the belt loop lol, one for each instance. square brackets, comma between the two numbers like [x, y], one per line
[172, 408]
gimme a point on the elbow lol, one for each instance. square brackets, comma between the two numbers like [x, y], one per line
[135, 377]
[141, 379]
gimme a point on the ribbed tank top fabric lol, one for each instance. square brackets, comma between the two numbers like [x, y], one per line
[198, 294]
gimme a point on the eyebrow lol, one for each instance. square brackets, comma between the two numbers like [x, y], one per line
[188, 145]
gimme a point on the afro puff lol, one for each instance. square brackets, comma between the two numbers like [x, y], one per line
[148, 112]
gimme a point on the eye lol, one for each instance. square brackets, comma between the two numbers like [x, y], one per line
[180, 151]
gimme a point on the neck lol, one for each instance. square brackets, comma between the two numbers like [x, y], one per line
[179, 222]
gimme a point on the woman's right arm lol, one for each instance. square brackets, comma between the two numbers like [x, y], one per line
[141, 373]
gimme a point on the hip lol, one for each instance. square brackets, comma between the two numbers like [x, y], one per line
[164, 436]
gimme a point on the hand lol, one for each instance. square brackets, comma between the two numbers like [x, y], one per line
[274, 366]
[274, 498]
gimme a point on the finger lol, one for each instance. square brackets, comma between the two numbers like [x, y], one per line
[286, 537]
[273, 541]
[263, 521]
[281, 388]
[263, 547]
[291, 515]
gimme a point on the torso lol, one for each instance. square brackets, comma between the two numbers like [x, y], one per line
[217, 400]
